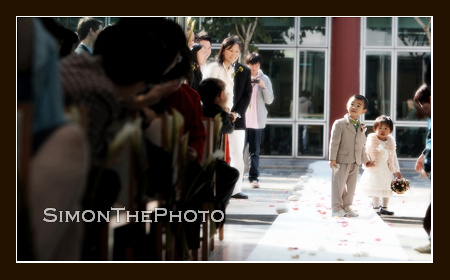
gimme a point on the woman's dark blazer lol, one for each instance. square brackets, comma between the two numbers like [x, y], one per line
[242, 94]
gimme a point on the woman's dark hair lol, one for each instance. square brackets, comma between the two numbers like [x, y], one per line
[253, 58]
[167, 32]
[422, 95]
[227, 43]
[183, 67]
[209, 89]
[139, 49]
[67, 38]
[195, 66]
[383, 119]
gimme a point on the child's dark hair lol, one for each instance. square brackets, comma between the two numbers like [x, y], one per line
[360, 97]
[209, 89]
[253, 58]
[383, 120]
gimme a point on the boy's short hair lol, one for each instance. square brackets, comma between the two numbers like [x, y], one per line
[383, 119]
[209, 89]
[360, 97]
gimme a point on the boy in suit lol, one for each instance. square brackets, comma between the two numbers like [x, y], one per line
[346, 153]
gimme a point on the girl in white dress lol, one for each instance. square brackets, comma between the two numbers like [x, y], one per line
[381, 149]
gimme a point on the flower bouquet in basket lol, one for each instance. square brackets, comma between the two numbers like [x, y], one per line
[400, 185]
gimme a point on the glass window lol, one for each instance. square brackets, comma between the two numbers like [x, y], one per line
[72, 22]
[212, 57]
[313, 31]
[278, 65]
[310, 140]
[411, 33]
[369, 129]
[269, 30]
[217, 27]
[114, 20]
[311, 85]
[410, 141]
[276, 140]
[410, 69]
[378, 84]
[275, 30]
[68, 22]
[379, 31]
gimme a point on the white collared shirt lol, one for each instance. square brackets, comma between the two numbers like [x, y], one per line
[214, 70]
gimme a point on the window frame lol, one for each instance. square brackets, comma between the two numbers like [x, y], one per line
[395, 50]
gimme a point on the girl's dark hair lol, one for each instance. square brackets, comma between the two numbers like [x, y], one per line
[383, 119]
[227, 43]
[253, 58]
[209, 89]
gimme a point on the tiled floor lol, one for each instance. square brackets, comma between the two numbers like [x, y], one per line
[243, 239]
[244, 235]
[238, 243]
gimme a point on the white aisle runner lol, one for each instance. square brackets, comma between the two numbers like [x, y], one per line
[308, 232]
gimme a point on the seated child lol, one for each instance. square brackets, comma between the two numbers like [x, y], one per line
[214, 99]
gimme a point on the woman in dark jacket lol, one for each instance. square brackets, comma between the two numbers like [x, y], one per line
[198, 55]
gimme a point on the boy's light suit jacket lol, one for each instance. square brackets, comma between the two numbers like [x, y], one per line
[346, 144]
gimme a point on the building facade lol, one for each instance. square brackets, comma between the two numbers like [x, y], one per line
[316, 63]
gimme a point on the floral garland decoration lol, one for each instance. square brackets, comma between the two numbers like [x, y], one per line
[240, 69]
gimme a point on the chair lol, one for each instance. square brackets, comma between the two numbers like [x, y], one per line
[166, 131]
[207, 238]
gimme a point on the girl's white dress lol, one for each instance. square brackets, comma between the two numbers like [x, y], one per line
[376, 180]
